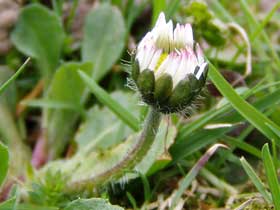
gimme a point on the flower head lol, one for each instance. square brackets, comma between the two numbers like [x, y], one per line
[169, 68]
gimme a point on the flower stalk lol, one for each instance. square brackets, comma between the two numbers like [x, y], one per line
[130, 160]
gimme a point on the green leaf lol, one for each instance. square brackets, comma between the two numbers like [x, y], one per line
[271, 176]
[52, 104]
[66, 87]
[94, 163]
[90, 161]
[4, 160]
[112, 104]
[102, 127]
[104, 38]
[132, 201]
[250, 113]
[39, 34]
[13, 77]
[274, 129]
[19, 153]
[91, 204]
[9, 95]
[9, 204]
[255, 179]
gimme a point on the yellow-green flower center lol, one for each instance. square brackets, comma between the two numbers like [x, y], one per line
[160, 60]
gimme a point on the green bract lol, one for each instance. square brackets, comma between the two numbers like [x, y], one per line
[160, 94]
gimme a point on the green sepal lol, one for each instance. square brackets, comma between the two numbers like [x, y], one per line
[163, 88]
[135, 70]
[181, 94]
[146, 85]
[194, 83]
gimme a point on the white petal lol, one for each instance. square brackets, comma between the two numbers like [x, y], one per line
[199, 54]
[170, 29]
[155, 59]
[161, 20]
[177, 32]
[146, 40]
[188, 35]
[149, 52]
[181, 72]
[201, 70]
[159, 26]
[173, 65]
[140, 57]
[144, 56]
[191, 61]
[165, 36]
[178, 39]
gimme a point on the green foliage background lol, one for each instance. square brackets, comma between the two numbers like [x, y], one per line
[85, 118]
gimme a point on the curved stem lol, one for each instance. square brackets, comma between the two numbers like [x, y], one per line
[133, 157]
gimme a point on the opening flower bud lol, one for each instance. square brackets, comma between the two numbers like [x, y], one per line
[169, 69]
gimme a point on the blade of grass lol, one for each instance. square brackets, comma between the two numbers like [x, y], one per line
[57, 6]
[133, 9]
[200, 122]
[271, 176]
[146, 186]
[185, 183]
[274, 154]
[250, 113]
[221, 11]
[132, 200]
[264, 104]
[212, 114]
[244, 146]
[217, 182]
[172, 8]
[274, 129]
[107, 100]
[15, 75]
[9, 204]
[52, 104]
[259, 29]
[158, 6]
[4, 155]
[196, 141]
[256, 180]
[218, 113]
[256, 25]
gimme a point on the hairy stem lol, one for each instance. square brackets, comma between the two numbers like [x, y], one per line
[130, 160]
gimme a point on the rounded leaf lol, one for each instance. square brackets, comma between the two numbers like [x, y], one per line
[104, 38]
